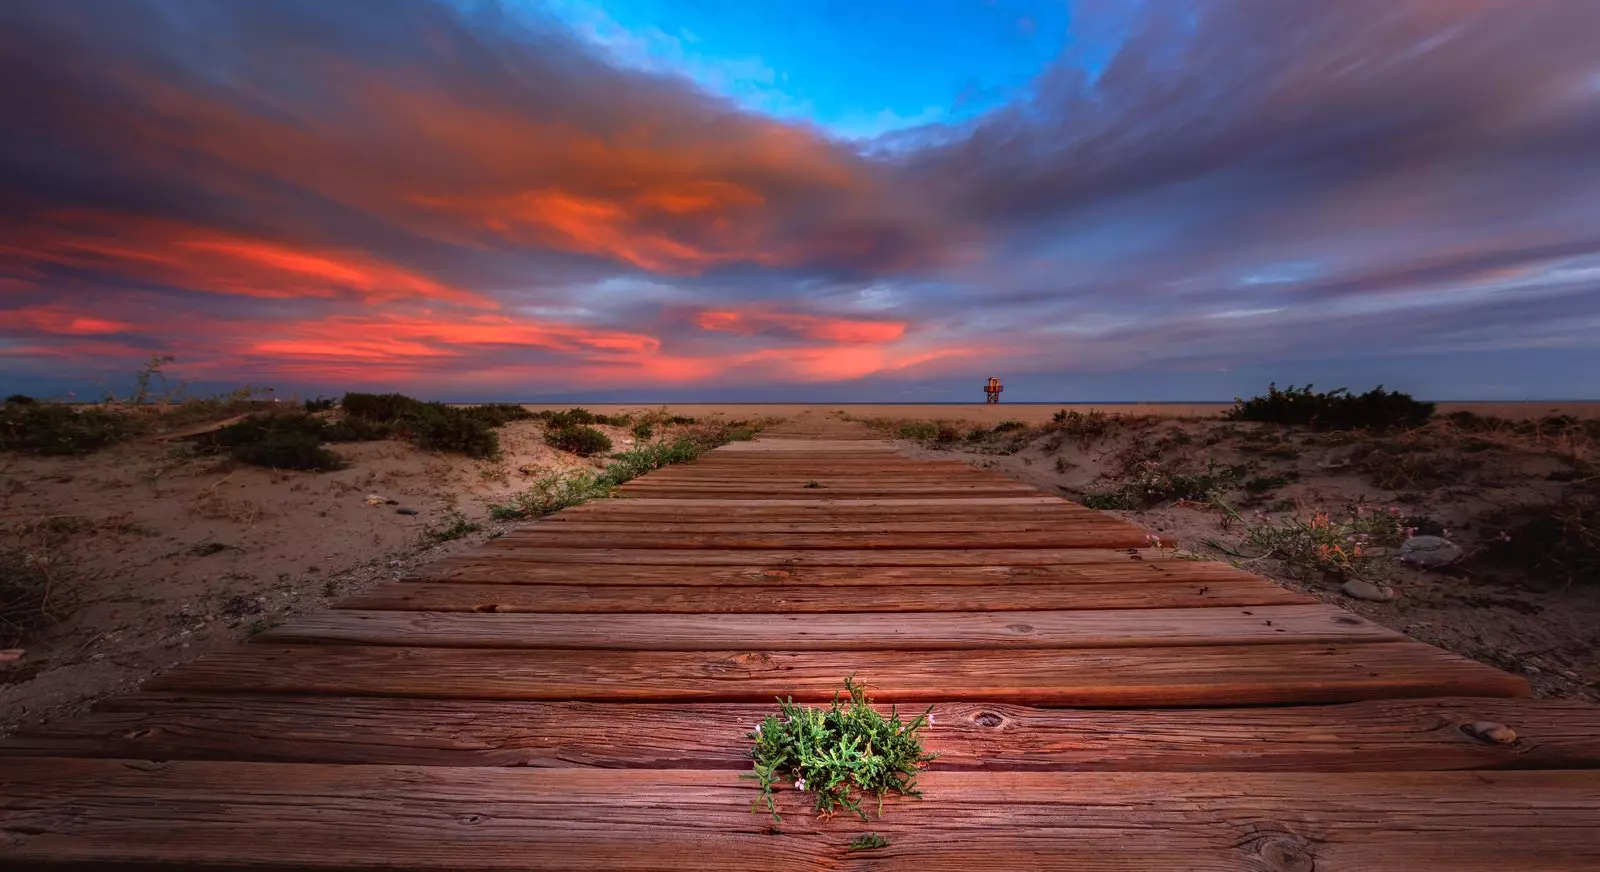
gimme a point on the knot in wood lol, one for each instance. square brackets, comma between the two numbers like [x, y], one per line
[1020, 629]
[470, 819]
[988, 719]
[744, 663]
[1283, 852]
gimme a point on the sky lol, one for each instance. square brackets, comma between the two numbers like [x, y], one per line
[802, 200]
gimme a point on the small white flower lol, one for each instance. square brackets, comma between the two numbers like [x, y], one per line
[758, 729]
[930, 719]
[799, 784]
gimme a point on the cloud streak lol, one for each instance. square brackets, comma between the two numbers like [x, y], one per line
[413, 195]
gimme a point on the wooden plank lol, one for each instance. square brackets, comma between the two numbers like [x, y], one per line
[483, 567]
[820, 502]
[836, 631]
[709, 523]
[507, 553]
[1383, 735]
[779, 598]
[1154, 677]
[102, 814]
[1121, 536]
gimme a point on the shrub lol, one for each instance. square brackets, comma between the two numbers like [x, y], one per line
[497, 414]
[1560, 541]
[378, 407]
[21, 400]
[1376, 409]
[34, 594]
[681, 420]
[922, 431]
[571, 418]
[551, 493]
[1346, 547]
[292, 441]
[1085, 428]
[55, 429]
[1008, 426]
[437, 427]
[356, 430]
[580, 440]
[1155, 483]
[320, 404]
[643, 430]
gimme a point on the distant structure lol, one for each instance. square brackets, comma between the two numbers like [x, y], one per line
[992, 390]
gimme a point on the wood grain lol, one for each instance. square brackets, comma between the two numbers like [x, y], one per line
[1384, 735]
[88, 813]
[1155, 677]
[834, 631]
[789, 598]
[509, 554]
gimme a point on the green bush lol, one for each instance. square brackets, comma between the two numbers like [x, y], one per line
[1156, 483]
[320, 404]
[434, 426]
[643, 430]
[580, 440]
[437, 427]
[497, 414]
[922, 431]
[356, 430]
[378, 407]
[1376, 409]
[570, 418]
[55, 429]
[1085, 428]
[21, 400]
[292, 441]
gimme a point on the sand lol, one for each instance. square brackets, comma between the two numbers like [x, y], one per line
[1039, 413]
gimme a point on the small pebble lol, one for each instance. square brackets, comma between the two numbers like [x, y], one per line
[1489, 731]
[405, 510]
[1366, 590]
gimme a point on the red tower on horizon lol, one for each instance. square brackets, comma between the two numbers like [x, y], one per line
[992, 390]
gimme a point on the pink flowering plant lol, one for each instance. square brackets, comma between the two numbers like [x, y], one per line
[1350, 545]
[839, 752]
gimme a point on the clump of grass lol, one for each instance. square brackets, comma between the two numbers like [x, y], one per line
[550, 494]
[1085, 428]
[1155, 483]
[61, 430]
[578, 439]
[35, 593]
[291, 441]
[839, 753]
[457, 527]
[921, 431]
[1347, 546]
[436, 426]
[1560, 540]
[644, 430]
[1338, 409]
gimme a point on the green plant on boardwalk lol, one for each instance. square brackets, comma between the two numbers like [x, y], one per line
[838, 753]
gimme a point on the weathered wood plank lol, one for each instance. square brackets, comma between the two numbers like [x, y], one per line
[779, 598]
[709, 523]
[1120, 536]
[835, 631]
[1154, 677]
[482, 567]
[1384, 735]
[507, 553]
[100, 814]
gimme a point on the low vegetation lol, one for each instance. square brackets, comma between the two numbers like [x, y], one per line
[468, 430]
[578, 439]
[556, 491]
[839, 754]
[1352, 545]
[35, 593]
[1157, 482]
[1561, 541]
[58, 429]
[457, 526]
[1338, 409]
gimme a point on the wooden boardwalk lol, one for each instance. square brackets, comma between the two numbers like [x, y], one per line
[575, 695]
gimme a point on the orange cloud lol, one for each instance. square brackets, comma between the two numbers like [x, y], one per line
[201, 259]
[818, 327]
